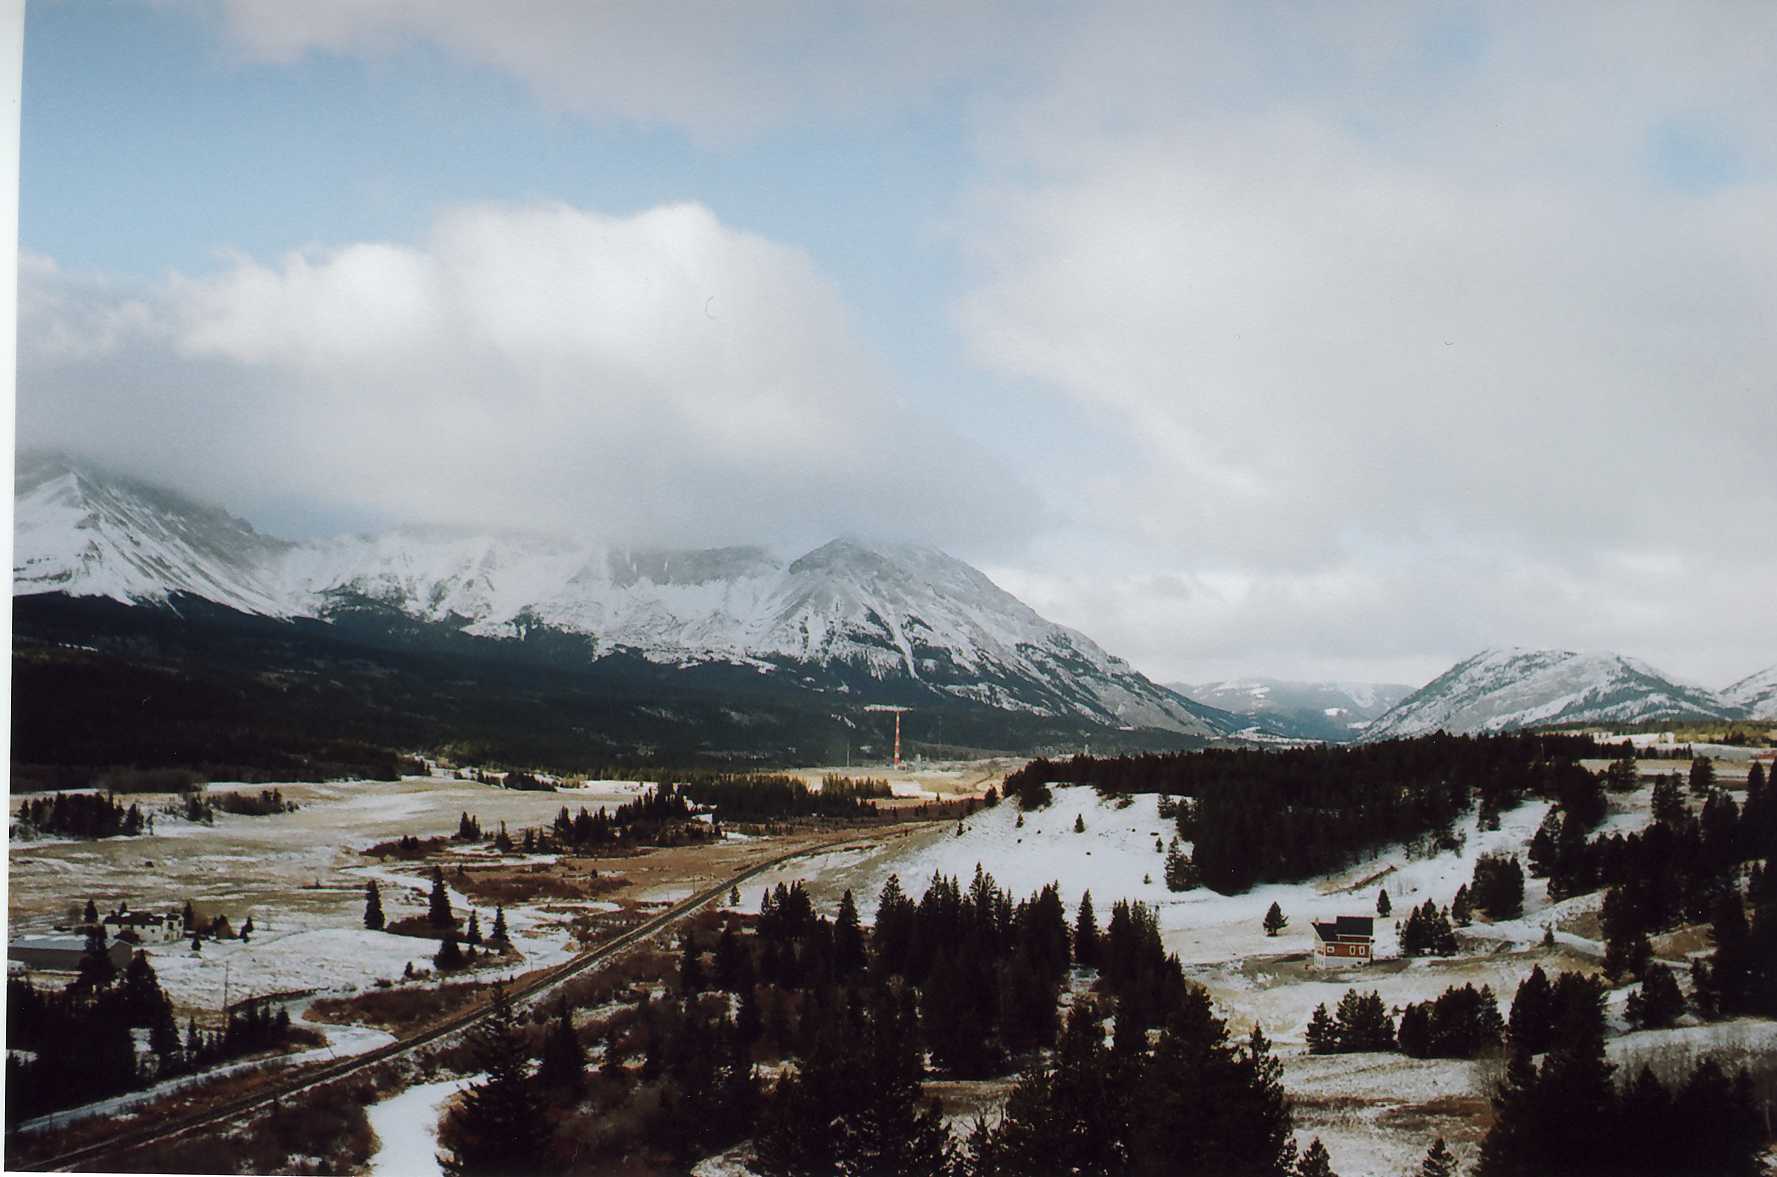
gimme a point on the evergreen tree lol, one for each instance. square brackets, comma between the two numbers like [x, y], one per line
[498, 935]
[96, 969]
[1323, 1037]
[1079, 823]
[1086, 938]
[1702, 780]
[564, 1059]
[690, 967]
[734, 896]
[848, 939]
[1438, 1161]
[1668, 802]
[498, 1127]
[1314, 1161]
[1181, 870]
[190, 916]
[1459, 908]
[1659, 1001]
[449, 956]
[438, 908]
[1532, 1020]
[473, 935]
[1275, 920]
[1383, 907]
[895, 1130]
[91, 915]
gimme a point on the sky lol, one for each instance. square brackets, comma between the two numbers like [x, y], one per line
[1300, 341]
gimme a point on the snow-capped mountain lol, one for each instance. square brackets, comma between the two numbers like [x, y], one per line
[840, 617]
[1516, 687]
[80, 534]
[1756, 694]
[1310, 710]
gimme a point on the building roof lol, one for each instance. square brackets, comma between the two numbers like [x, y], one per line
[1347, 927]
[63, 943]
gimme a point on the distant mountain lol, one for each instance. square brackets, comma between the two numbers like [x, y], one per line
[865, 621]
[1756, 694]
[1498, 690]
[1329, 711]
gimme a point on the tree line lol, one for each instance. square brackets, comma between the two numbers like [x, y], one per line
[73, 1045]
[1284, 815]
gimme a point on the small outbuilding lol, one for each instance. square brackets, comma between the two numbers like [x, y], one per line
[1348, 940]
[62, 953]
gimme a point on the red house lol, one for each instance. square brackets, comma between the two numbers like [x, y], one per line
[1348, 940]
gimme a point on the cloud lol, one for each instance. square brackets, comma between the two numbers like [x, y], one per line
[721, 72]
[657, 378]
[1417, 344]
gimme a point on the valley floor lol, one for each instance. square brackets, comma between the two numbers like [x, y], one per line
[301, 877]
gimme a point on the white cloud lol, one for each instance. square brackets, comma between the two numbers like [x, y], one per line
[1419, 348]
[719, 71]
[659, 378]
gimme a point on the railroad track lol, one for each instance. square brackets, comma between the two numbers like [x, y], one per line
[519, 993]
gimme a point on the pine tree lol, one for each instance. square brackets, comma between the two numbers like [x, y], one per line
[848, 939]
[1086, 938]
[1702, 780]
[1659, 1001]
[473, 935]
[1438, 1161]
[1668, 803]
[449, 955]
[438, 908]
[91, 915]
[499, 1126]
[96, 969]
[498, 935]
[734, 896]
[190, 916]
[1314, 1161]
[1181, 870]
[564, 1059]
[690, 967]
[895, 1130]
[1383, 907]
[1322, 1037]
[1079, 823]
[373, 907]
[1459, 908]
[1275, 920]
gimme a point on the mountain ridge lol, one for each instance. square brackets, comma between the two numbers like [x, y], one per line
[1505, 688]
[841, 615]
[1333, 711]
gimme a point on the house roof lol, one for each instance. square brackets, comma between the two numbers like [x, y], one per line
[1346, 927]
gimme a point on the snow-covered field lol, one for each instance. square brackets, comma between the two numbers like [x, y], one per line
[406, 1127]
[1376, 1114]
[299, 876]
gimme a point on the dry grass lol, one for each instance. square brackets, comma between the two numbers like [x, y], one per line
[499, 885]
[399, 1011]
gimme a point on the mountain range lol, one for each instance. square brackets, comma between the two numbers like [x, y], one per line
[1515, 687]
[851, 617]
[399, 637]
[1331, 711]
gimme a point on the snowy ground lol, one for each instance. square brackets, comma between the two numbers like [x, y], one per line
[406, 1127]
[301, 878]
[342, 1042]
[1376, 1114]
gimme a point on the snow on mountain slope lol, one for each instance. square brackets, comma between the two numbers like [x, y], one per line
[1313, 710]
[848, 608]
[1515, 687]
[1756, 694]
[78, 533]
